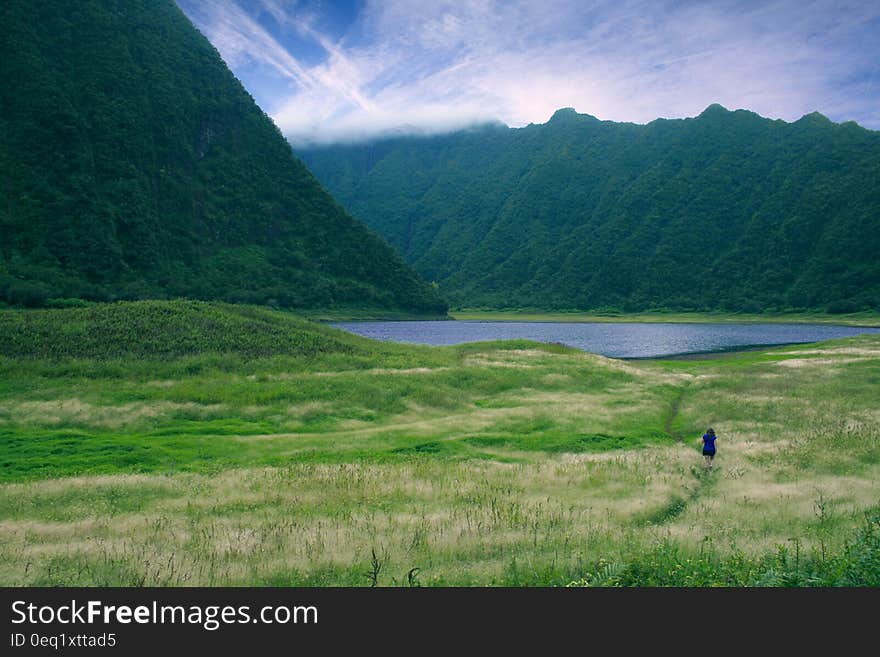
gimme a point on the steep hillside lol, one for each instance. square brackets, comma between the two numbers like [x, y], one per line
[726, 211]
[134, 165]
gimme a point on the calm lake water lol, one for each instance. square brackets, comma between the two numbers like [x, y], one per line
[618, 340]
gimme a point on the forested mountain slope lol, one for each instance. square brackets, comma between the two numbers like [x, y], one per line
[134, 165]
[727, 211]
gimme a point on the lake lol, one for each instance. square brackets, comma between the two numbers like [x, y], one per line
[617, 340]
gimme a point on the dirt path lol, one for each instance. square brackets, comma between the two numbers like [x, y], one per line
[673, 413]
[703, 478]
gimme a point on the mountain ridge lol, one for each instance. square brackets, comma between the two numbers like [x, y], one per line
[584, 215]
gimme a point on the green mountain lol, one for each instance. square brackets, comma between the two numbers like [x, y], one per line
[724, 211]
[134, 165]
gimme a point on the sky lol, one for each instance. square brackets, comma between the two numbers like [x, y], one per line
[352, 70]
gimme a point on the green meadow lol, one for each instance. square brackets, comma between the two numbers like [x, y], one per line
[202, 444]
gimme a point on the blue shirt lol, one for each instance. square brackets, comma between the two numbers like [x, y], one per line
[709, 442]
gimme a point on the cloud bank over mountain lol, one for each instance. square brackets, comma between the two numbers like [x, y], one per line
[346, 71]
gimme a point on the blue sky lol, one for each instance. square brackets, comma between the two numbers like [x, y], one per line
[353, 69]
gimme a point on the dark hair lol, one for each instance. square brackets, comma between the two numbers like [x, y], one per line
[710, 431]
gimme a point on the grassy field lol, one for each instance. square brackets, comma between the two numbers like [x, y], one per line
[851, 319]
[185, 443]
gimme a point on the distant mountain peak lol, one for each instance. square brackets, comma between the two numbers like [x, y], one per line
[814, 117]
[570, 114]
[715, 109]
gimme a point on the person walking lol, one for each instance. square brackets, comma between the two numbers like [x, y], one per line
[709, 447]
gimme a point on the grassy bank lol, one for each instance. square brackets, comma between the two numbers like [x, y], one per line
[368, 315]
[203, 444]
[851, 319]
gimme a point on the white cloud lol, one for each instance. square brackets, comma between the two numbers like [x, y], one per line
[443, 65]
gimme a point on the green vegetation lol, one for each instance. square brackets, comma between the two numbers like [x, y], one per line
[727, 211]
[136, 166]
[186, 443]
[198, 442]
[856, 564]
[159, 329]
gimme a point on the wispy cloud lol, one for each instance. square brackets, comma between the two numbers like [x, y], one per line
[405, 65]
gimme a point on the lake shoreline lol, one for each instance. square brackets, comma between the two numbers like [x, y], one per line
[718, 353]
[867, 320]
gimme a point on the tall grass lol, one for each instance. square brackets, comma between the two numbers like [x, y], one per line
[365, 463]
